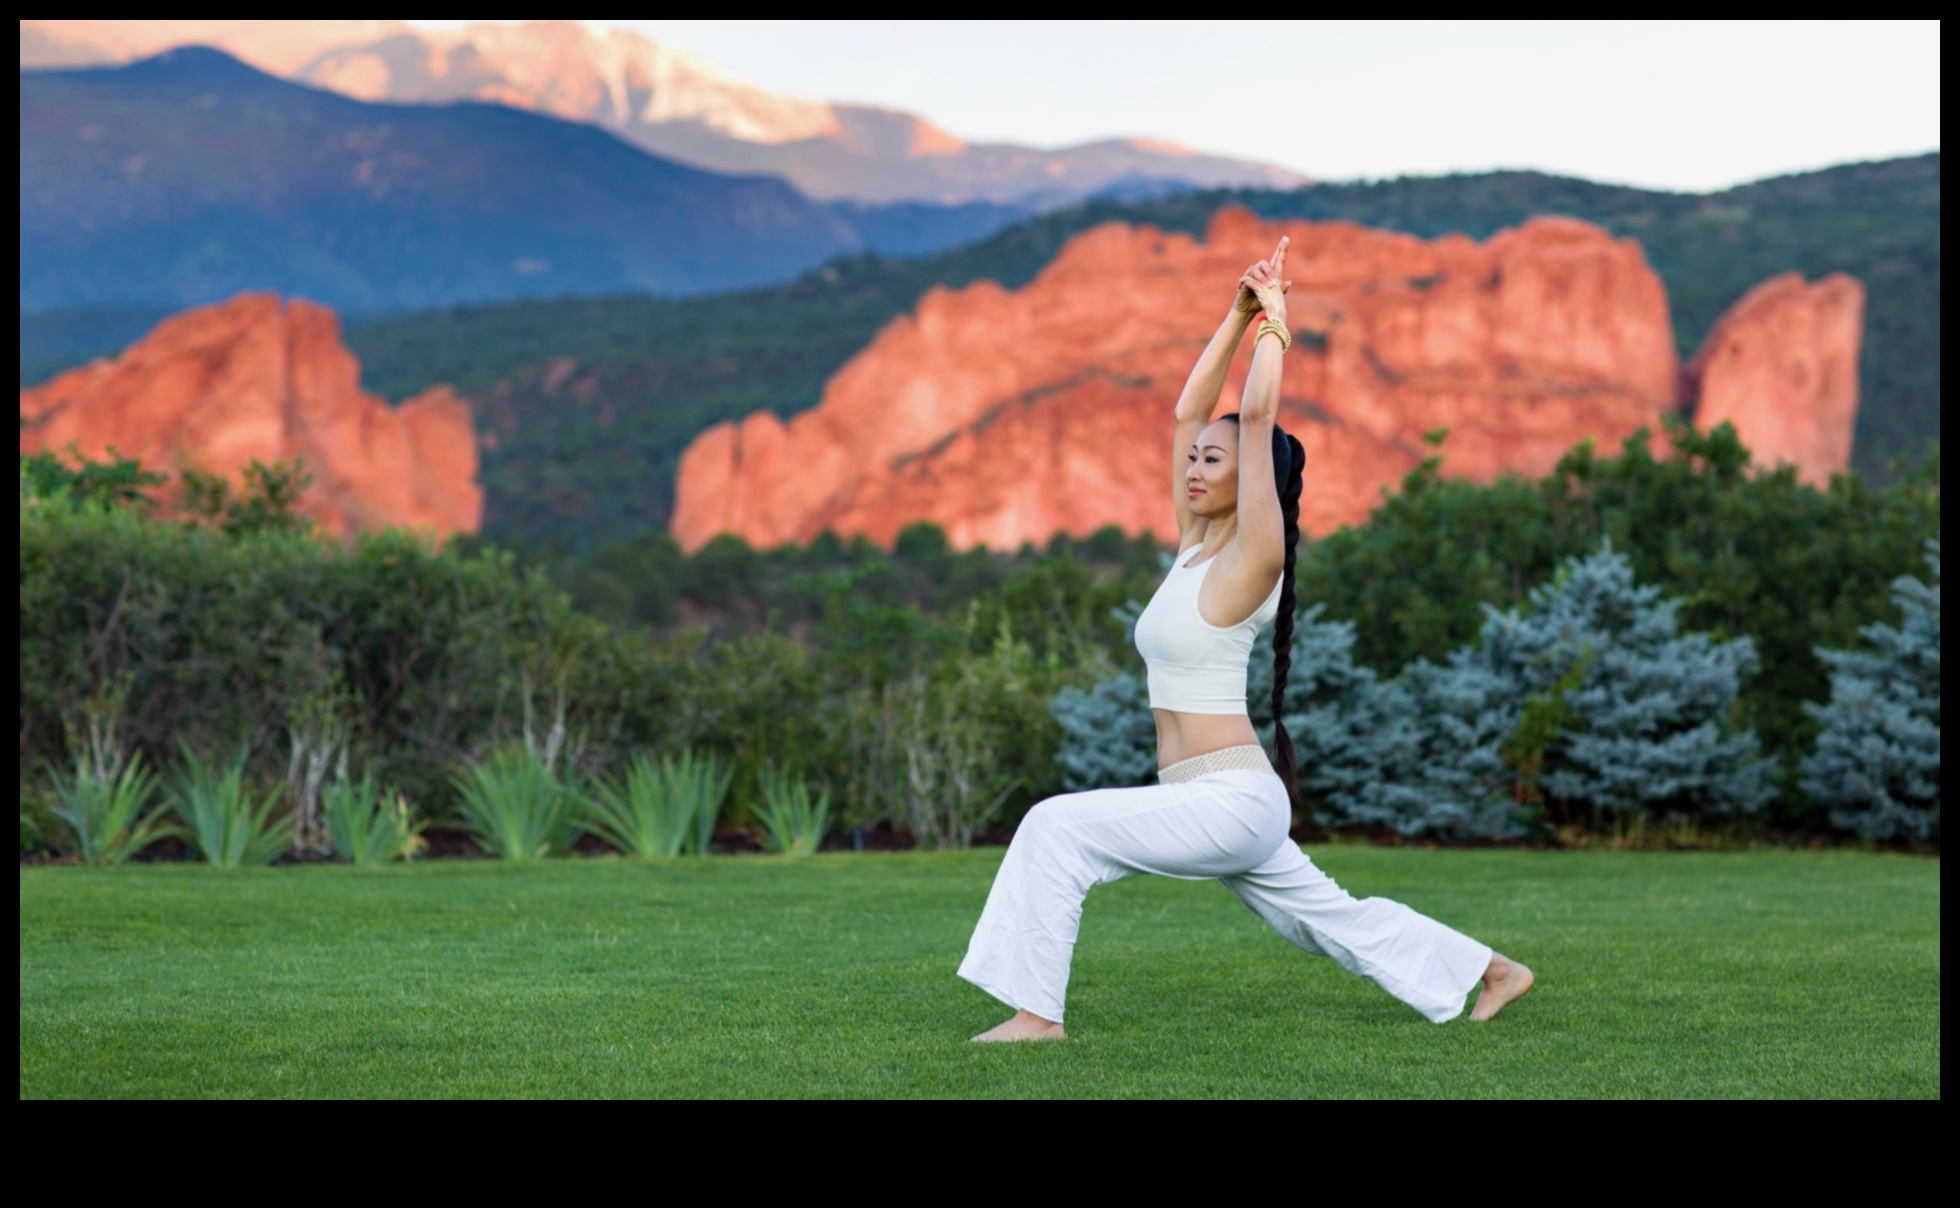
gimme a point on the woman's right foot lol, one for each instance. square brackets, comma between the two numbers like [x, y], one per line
[1024, 1026]
[1504, 982]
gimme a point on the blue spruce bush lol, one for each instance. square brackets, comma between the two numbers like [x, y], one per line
[1444, 772]
[1644, 704]
[1333, 707]
[1876, 767]
[1407, 753]
[1109, 739]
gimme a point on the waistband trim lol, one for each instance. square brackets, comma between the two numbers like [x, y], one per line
[1250, 757]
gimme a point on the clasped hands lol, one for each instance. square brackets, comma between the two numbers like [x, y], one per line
[1263, 286]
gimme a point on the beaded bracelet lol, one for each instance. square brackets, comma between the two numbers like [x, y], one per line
[1276, 328]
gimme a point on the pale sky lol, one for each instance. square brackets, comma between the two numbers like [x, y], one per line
[1679, 105]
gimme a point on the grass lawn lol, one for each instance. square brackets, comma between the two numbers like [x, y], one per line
[1779, 973]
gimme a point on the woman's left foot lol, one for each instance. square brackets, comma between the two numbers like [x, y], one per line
[1504, 982]
[1024, 1026]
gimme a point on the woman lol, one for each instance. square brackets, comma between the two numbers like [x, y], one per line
[1219, 809]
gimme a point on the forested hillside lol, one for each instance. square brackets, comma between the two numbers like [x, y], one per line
[587, 403]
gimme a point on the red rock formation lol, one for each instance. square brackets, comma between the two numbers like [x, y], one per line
[221, 386]
[1782, 366]
[1007, 417]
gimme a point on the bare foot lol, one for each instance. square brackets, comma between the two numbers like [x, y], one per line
[1026, 1026]
[1504, 981]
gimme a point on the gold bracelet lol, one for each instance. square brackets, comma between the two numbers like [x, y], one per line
[1275, 327]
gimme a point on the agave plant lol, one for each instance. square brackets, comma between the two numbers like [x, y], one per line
[517, 807]
[661, 809]
[368, 826]
[226, 823]
[110, 812]
[794, 820]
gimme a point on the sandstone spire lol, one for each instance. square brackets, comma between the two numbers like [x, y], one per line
[221, 386]
[1782, 366]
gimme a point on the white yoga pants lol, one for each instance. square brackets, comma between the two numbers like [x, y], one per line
[1231, 825]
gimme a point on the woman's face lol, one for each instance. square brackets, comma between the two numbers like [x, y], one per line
[1211, 476]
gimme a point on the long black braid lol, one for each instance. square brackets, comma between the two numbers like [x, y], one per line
[1289, 471]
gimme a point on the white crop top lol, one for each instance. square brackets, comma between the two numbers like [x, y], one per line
[1195, 666]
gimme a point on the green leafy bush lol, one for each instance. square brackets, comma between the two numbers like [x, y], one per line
[267, 498]
[367, 826]
[225, 638]
[109, 811]
[229, 826]
[661, 809]
[517, 807]
[794, 818]
[47, 476]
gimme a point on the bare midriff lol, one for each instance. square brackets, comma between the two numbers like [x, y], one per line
[1182, 736]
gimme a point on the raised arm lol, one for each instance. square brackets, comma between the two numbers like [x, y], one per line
[1200, 398]
[1262, 529]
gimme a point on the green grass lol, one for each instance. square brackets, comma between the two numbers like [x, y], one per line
[1763, 974]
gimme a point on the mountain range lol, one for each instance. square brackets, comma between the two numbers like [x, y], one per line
[665, 101]
[189, 176]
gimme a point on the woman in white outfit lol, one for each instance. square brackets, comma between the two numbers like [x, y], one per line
[1220, 809]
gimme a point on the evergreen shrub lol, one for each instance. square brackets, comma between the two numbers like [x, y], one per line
[1877, 763]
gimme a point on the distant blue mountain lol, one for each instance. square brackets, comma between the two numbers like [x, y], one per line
[920, 228]
[184, 178]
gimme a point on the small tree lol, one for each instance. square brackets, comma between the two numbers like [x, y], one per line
[1645, 721]
[1445, 728]
[1876, 767]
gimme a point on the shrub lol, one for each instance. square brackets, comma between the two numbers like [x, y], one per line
[954, 782]
[229, 639]
[661, 809]
[516, 806]
[367, 826]
[1443, 733]
[1108, 739]
[119, 482]
[109, 811]
[227, 824]
[1636, 711]
[1876, 768]
[1583, 706]
[40, 830]
[978, 737]
[794, 819]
